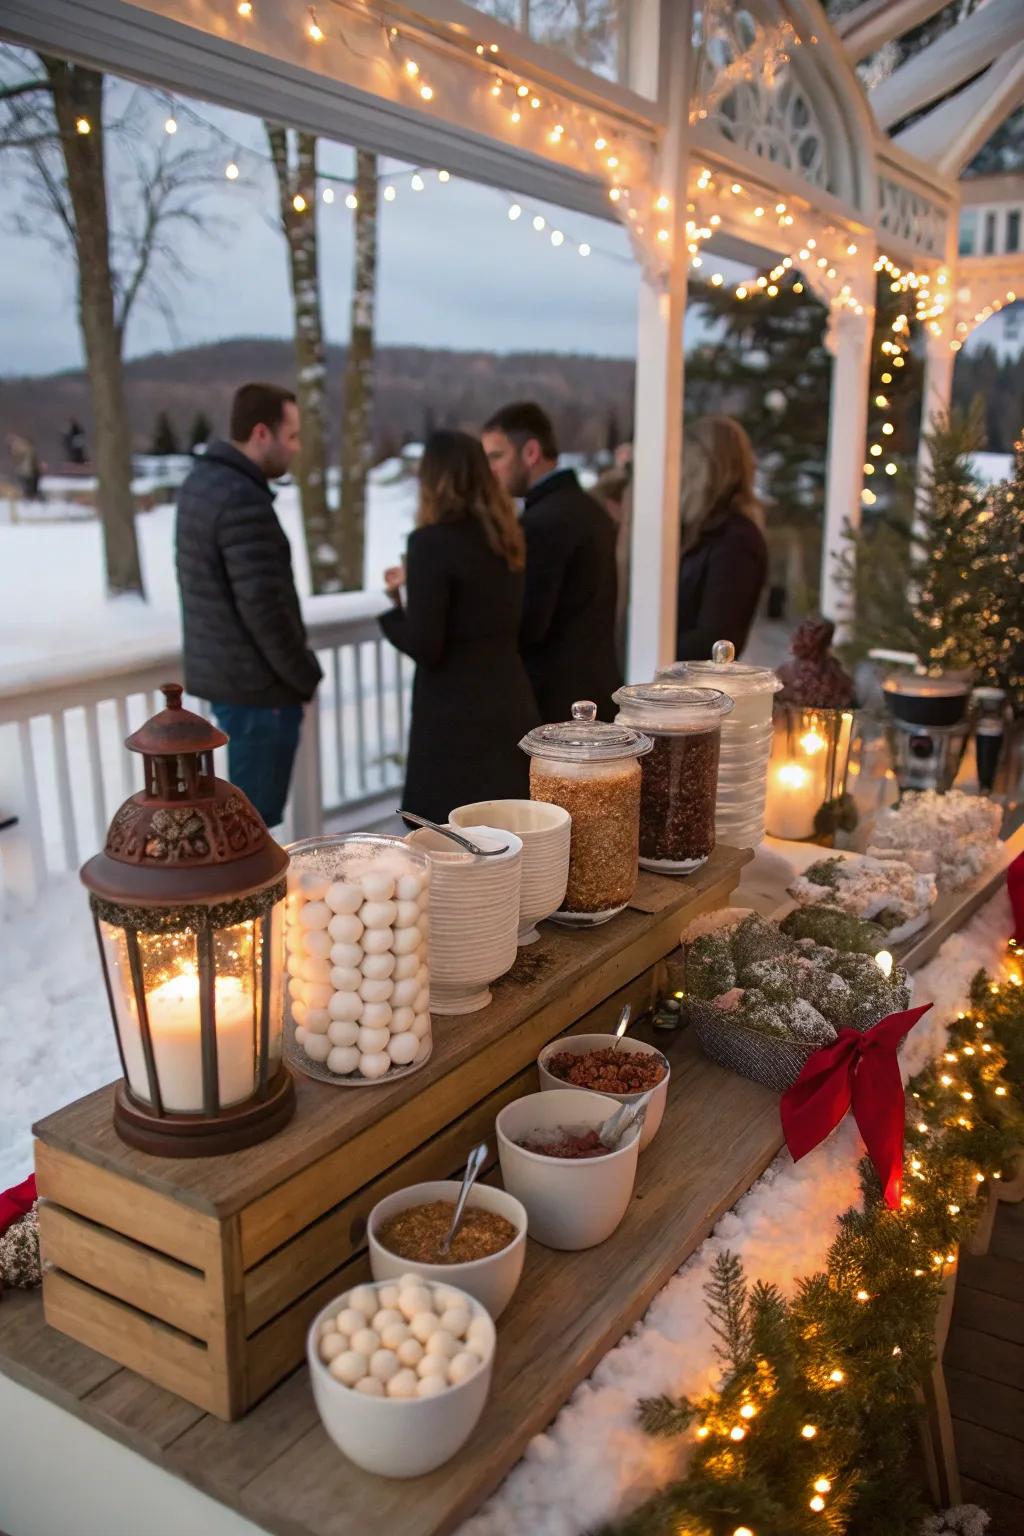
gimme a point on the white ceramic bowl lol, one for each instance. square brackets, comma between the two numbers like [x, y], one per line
[570, 1203]
[474, 916]
[544, 831]
[398, 1437]
[579, 1045]
[492, 1280]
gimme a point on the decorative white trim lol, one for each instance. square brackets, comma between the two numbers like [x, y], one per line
[911, 216]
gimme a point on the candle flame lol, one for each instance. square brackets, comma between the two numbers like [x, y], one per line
[812, 742]
[793, 776]
[884, 962]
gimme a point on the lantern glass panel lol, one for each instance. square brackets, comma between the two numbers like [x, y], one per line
[275, 958]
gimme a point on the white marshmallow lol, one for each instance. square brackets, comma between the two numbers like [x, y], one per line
[344, 927]
[364, 1299]
[394, 1335]
[423, 1052]
[408, 914]
[369, 1386]
[349, 1321]
[329, 1325]
[384, 1364]
[422, 1001]
[423, 1325]
[478, 1338]
[405, 992]
[342, 897]
[421, 1025]
[345, 1005]
[378, 967]
[385, 1316]
[316, 943]
[366, 1341]
[371, 1041]
[295, 986]
[316, 994]
[374, 1064]
[462, 1367]
[431, 1386]
[376, 991]
[423, 974]
[378, 914]
[294, 962]
[312, 969]
[332, 1344]
[406, 966]
[440, 1341]
[312, 884]
[404, 1384]
[414, 1298]
[376, 1015]
[377, 885]
[345, 978]
[315, 914]
[317, 1020]
[401, 1019]
[299, 1010]
[388, 1295]
[408, 887]
[300, 1035]
[410, 1350]
[316, 1047]
[348, 1367]
[407, 940]
[445, 1298]
[349, 956]
[456, 1319]
[433, 1365]
[343, 1060]
[378, 941]
[343, 1032]
[402, 1048]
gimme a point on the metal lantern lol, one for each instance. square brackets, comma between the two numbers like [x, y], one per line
[807, 798]
[188, 902]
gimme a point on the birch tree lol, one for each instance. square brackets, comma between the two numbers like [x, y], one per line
[125, 248]
[294, 158]
[357, 408]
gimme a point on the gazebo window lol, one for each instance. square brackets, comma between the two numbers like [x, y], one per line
[990, 234]
[1013, 230]
[968, 233]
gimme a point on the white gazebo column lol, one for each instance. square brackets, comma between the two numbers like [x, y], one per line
[850, 343]
[658, 410]
[936, 389]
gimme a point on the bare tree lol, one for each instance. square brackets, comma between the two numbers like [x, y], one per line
[54, 120]
[294, 157]
[357, 413]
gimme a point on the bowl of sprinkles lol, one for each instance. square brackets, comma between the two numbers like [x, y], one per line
[406, 1230]
[591, 1063]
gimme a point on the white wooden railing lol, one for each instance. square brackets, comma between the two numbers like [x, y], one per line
[64, 769]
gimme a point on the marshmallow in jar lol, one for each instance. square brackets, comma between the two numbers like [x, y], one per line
[358, 976]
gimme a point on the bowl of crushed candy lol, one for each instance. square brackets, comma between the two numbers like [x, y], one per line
[415, 1220]
[596, 1075]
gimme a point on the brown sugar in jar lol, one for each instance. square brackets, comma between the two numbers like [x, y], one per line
[592, 771]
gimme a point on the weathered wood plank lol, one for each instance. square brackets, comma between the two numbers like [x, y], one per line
[993, 1274]
[133, 1409]
[1006, 1511]
[990, 1458]
[984, 1355]
[327, 1118]
[990, 1314]
[988, 1404]
[35, 1356]
[125, 1269]
[1008, 1234]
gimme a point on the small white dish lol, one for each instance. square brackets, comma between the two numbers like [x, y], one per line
[570, 1203]
[544, 831]
[398, 1437]
[474, 916]
[492, 1280]
[579, 1045]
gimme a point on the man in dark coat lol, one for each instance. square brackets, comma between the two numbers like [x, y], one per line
[567, 637]
[245, 642]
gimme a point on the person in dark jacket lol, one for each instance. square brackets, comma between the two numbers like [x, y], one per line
[245, 642]
[724, 558]
[567, 637]
[471, 699]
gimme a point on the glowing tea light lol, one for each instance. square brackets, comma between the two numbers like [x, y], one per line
[884, 962]
[812, 742]
[793, 800]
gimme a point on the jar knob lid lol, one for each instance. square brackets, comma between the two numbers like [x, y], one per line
[722, 652]
[584, 710]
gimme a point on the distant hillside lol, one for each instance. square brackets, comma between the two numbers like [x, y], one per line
[418, 388]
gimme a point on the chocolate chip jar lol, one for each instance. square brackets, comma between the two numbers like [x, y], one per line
[679, 776]
[591, 769]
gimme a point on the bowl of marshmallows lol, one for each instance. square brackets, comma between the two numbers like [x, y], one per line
[401, 1372]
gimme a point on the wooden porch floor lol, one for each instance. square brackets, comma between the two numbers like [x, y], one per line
[985, 1375]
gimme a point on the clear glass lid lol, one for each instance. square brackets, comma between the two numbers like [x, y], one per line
[674, 706]
[723, 671]
[585, 739]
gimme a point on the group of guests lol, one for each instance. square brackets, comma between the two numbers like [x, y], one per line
[510, 615]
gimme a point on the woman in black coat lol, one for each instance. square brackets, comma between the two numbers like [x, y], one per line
[471, 700]
[724, 558]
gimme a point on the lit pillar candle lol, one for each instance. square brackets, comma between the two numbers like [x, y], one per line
[174, 1026]
[793, 799]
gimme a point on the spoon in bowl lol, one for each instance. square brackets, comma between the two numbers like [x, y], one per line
[474, 1163]
[613, 1131]
[622, 1025]
[456, 837]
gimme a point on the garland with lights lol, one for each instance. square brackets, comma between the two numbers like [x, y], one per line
[813, 1426]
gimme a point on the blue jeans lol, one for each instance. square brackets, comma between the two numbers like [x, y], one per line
[261, 751]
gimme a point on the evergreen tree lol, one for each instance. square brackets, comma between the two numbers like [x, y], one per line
[201, 430]
[165, 439]
[1002, 622]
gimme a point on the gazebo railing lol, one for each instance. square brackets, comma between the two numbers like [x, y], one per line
[64, 769]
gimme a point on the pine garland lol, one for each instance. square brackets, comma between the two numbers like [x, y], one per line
[812, 1429]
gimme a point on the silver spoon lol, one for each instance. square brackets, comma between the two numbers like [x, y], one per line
[474, 1163]
[464, 842]
[613, 1131]
[622, 1026]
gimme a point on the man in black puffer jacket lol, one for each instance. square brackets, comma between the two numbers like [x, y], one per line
[245, 642]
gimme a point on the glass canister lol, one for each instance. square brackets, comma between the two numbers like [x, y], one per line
[358, 972]
[679, 776]
[592, 770]
[746, 739]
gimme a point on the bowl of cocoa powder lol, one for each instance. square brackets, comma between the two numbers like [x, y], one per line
[588, 1062]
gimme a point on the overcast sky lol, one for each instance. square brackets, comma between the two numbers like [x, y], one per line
[454, 270]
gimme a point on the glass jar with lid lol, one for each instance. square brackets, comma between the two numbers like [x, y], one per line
[746, 738]
[592, 770]
[680, 774]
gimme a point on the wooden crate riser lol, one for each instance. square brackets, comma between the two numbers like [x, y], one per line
[217, 1330]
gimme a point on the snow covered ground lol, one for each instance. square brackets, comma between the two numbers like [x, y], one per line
[54, 611]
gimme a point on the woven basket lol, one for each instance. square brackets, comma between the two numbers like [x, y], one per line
[763, 1058]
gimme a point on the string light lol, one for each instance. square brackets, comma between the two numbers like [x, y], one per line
[390, 194]
[299, 203]
[83, 126]
[737, 1432]
[171, 125]
[427, 92]
[822, 1485]
[515, 212]
[747, 1411]
[837, 1376]
[862, 1296]
[417, 183]
[231, 171]
[245, 9]
[809, 1431]
[315, 30]
[817, 1503]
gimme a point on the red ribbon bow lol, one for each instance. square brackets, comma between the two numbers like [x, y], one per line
[17, 1202]
[1015, 887]
[861, 1070]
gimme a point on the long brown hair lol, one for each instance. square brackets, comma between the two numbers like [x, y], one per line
[456, 482]
[718, 475]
